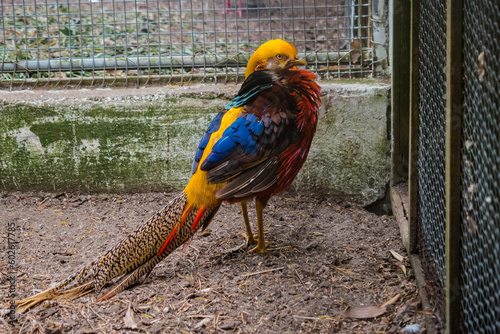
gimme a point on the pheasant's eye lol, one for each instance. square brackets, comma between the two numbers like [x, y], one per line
[279, 56]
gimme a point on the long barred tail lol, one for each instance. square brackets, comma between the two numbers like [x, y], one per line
[133, 257]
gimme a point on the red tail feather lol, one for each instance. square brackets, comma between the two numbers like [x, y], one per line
[176, 229]
[197, 219]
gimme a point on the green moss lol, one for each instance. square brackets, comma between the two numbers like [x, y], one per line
[109, 148]
[146, 143]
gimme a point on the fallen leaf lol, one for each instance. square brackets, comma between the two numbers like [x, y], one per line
[73, 204]
[42, 205]
[129, 318]
[203, 322]
[61, 75]
[471, 225]
[391, 301]
[364, 312]
[356, 44]
[430, 288]
[397, 256]
[481, 68]
[355, 50]
[403, 267]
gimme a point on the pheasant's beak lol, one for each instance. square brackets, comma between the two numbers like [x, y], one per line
[293, 63]
[300, 62]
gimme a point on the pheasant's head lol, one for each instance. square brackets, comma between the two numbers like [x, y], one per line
[273, 54]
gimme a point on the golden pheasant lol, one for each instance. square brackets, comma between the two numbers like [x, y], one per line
[253, 148]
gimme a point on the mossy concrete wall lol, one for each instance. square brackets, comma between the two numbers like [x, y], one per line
[115, 140]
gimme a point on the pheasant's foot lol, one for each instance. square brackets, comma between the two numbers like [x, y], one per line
[250, 240]
[260, 249]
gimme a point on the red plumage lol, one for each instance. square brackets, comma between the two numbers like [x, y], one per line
[307, 94]
[289, 111]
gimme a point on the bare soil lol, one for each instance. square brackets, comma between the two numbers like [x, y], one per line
[325, 257]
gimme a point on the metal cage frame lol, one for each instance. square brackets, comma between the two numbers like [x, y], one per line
[145, 42]
[406, 74]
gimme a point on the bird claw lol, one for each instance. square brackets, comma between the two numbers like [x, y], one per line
[248, 240]
[259, 249]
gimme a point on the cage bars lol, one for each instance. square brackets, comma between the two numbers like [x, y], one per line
[63, 41]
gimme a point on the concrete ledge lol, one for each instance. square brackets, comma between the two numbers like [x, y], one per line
[115, 140]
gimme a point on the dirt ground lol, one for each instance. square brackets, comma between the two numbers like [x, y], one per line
[328, 262]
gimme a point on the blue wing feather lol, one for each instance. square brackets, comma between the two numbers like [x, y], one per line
[213, 127]
[240, 137]
[251, 138]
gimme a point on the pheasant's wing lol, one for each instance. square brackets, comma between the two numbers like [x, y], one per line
[247, 154]
[248, 92]
[213, 127]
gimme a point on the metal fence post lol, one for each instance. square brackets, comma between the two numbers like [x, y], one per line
[414, 125]
[400, 66]
[380, 36]
[453, 138]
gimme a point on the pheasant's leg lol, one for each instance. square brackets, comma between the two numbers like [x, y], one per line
[260, 204]
[249, 237]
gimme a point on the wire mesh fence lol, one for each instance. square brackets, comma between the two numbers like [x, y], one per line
[480, 162]
[431, 154]
[100, 41]
[480, 249]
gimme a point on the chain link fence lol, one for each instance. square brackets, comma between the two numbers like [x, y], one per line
[431, 142]
[112, 42]
[480, 249]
